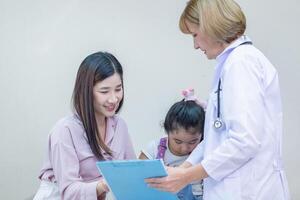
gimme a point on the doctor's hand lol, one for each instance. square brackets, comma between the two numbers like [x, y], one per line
[174, 182]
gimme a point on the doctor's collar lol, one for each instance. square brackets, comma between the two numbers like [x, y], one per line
[233, 45]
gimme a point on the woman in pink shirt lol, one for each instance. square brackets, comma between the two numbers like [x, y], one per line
[93, 133]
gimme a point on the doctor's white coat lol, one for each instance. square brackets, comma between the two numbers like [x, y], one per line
[243, 160]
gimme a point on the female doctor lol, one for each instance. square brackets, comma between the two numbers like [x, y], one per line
[240, 157]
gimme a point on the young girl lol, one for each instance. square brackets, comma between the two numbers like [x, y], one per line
[184, 125]
[93, 133]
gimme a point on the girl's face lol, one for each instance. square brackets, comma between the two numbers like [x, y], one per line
[107, 95]
[181, 142]
[202, 41]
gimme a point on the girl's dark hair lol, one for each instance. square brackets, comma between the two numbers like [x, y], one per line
[94, 68]
[187, 115]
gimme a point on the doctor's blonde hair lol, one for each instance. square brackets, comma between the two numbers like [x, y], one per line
[222, 20]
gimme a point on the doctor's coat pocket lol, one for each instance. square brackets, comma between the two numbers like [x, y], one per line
[240, 184]
[232, 187]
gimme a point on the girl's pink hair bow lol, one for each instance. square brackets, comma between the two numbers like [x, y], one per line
[189, 95]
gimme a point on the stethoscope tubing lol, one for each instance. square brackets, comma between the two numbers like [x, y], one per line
[218, 121]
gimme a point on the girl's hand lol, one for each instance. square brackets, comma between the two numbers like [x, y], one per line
[174, 182]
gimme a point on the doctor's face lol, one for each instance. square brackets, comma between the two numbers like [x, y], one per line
[206, 44]
[107, 95]
[182, 143]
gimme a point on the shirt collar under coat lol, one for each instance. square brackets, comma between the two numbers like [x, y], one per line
[221, 58]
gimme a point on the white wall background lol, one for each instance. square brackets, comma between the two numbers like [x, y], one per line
[43, 42]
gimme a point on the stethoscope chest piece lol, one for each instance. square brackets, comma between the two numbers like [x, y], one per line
[218, 123]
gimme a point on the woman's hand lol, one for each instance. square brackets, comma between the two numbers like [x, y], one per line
[102, 188]
[102, 196]
[174, 182]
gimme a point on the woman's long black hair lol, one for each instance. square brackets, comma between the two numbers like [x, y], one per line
[94, 68]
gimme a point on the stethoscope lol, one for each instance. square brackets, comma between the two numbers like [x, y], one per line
[218, 123]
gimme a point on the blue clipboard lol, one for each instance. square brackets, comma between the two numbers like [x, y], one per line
[126, 179]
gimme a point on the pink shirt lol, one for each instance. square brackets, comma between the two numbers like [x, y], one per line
[70, 161]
